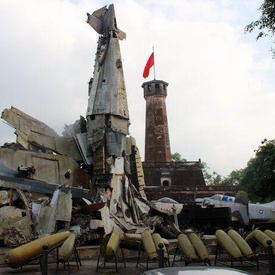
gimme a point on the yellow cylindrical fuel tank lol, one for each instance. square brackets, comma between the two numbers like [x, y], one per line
[112, 245]
[157, 240]
[270, 234]
[199, 246]
[249, 238]
[149, 244]
[241, 243]
[187, 247]
[23, 254]
[228, 244]
[67, 248]
[262, 238]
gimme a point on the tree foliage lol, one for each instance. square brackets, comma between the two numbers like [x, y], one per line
[259, 177]
[266, 23]
[177, 157]
[210, 178]
[234, 178]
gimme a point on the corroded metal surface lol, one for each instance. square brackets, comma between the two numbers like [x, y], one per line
[50, 168]
[107, 112]
[34, 134]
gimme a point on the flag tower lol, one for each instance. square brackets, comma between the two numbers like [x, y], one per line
[157, 144]
[158, 167]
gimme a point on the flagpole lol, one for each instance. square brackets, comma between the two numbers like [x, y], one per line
[154, 64]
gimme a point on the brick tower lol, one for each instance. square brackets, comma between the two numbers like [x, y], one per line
[157, 144]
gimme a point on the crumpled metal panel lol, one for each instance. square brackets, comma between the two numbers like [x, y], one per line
[60, 209]
[95, 132]
[104, 19]
[107, 112]
[95, 19]
[108, 92]
[115, 143]
[119, 125]
[48, 167]
[32, 132]
[41, 186]
[64, 207]
[82, 144]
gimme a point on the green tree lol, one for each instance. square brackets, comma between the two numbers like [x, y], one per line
[177, 157]
[266, 23]
[233, 179]
[210, 178]
[259, 177]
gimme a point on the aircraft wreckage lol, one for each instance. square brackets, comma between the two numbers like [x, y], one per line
[50, 182]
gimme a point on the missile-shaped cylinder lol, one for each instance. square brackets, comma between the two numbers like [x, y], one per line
[23, 254]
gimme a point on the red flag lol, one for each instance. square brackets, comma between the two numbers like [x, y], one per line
[150, 63]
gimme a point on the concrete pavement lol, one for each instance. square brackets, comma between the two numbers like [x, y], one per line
[89, 267]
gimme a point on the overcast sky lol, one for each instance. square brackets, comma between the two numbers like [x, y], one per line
[221, 91]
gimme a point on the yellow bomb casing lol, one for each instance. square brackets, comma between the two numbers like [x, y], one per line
[270, 234]
[149, 245]
[241, 243]
[23, 254]
[228, 244]
[157, 240]
[112, 245]
[262, 238]
[199, 246]
[187, 247]
[67, 248]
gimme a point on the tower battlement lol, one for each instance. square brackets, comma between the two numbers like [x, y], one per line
[155, 87]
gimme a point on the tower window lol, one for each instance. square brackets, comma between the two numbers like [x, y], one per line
[165, 183]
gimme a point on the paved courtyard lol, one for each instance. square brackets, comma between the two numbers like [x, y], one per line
[89, 267]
